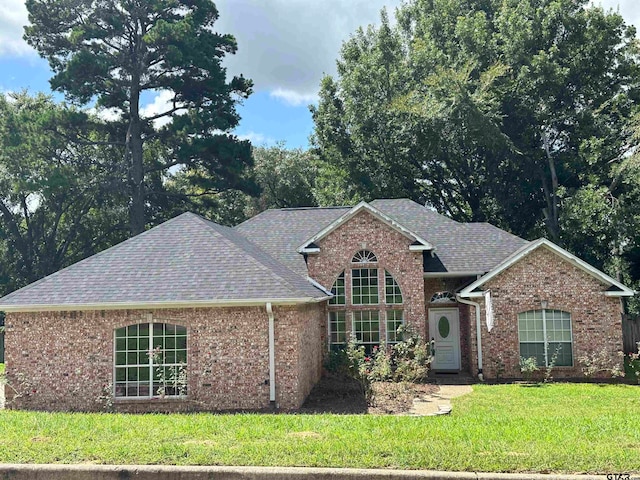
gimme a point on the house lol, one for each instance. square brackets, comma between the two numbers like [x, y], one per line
[191, 315]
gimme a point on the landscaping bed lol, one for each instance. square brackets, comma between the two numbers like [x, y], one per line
[342, 394]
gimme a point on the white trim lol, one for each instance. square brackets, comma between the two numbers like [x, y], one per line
[476, 306]
[420, 248]
[272, 353]
[572, 259]
[376, 213]
[310, 250]
[451, 274]
[320, 287]
[250, 302]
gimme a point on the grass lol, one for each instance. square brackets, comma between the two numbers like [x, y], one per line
[553, 428]
[1, 369]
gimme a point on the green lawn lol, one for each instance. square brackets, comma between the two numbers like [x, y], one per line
[1, 368]
[555, 428]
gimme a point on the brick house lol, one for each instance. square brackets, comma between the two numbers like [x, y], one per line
[191, 315]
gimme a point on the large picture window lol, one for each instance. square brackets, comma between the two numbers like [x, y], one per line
[151, 360]
[366, 328]
[545, 333]
[364, 286]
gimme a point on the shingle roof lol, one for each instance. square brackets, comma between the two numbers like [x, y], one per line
[187, 259]
[281, 232]
[459, 247]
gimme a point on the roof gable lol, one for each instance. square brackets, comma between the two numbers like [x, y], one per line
[620, 289]
[418, 243]
[186, 261]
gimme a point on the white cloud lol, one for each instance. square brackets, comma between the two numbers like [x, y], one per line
[106, 114]
[293, 98]
[162, 102]
[285, 46]
[258, 139]
[13, 17]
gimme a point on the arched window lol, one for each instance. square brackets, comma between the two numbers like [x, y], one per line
[339, 297]
[545, 334]
[443, 297]
[364, 256]
[392, 293]
[151, 360]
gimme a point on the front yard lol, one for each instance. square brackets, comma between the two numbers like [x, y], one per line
[552, 428]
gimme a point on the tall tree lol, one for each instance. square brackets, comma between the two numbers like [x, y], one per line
[493, 110]
[57, 201]
[114, 51]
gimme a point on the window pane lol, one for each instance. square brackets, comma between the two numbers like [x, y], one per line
[135, 341]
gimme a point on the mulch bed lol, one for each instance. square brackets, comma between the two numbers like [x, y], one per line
[342, 394]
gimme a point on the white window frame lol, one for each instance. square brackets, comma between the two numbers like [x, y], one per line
[149, 363]
[336, 295]
[369, 277]
[546, 341]
[395, 285]
[369, 320]
[364, 256]
[330, 324]
[394, 320]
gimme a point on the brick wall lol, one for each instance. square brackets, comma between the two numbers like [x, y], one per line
[366, 232]
[66, 358]
[543, 276]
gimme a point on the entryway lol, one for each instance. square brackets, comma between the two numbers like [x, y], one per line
[444, 329]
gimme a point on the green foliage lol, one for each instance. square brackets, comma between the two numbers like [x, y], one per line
[411, 357]
[112, 52]
[516, 112]
[528, 366]
[59, 199]
[406, 361]
[600, 362]
[632, 365]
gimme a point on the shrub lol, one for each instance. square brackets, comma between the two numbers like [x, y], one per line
[528, 366]
[633, 364]
[406, 361]
[599, 361]
[411, 357]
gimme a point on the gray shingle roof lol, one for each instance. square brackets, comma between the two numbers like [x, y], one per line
[460, 247]
[281, 232]
[187, 259]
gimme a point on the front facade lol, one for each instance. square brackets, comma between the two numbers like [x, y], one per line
[194, 316]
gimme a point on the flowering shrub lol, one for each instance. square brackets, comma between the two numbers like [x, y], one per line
[406, 361]
[599, 361]
[633, 364]
[528, 366]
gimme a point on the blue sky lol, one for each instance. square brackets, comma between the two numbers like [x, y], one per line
[284, 46]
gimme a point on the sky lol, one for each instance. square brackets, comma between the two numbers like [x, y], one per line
[284, 46]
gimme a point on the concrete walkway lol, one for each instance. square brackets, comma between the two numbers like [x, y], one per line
[438, 403]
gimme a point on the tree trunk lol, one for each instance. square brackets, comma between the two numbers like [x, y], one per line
[136, 167]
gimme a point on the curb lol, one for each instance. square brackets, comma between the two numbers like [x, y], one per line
[155, 472]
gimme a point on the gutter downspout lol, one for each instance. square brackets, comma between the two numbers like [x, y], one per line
[478, 331]
[272, 354]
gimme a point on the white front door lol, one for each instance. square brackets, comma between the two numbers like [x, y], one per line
[444, 329]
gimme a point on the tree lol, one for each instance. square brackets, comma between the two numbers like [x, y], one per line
[285, 179]
[114, 51]
[57, 202]
[485, 109]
